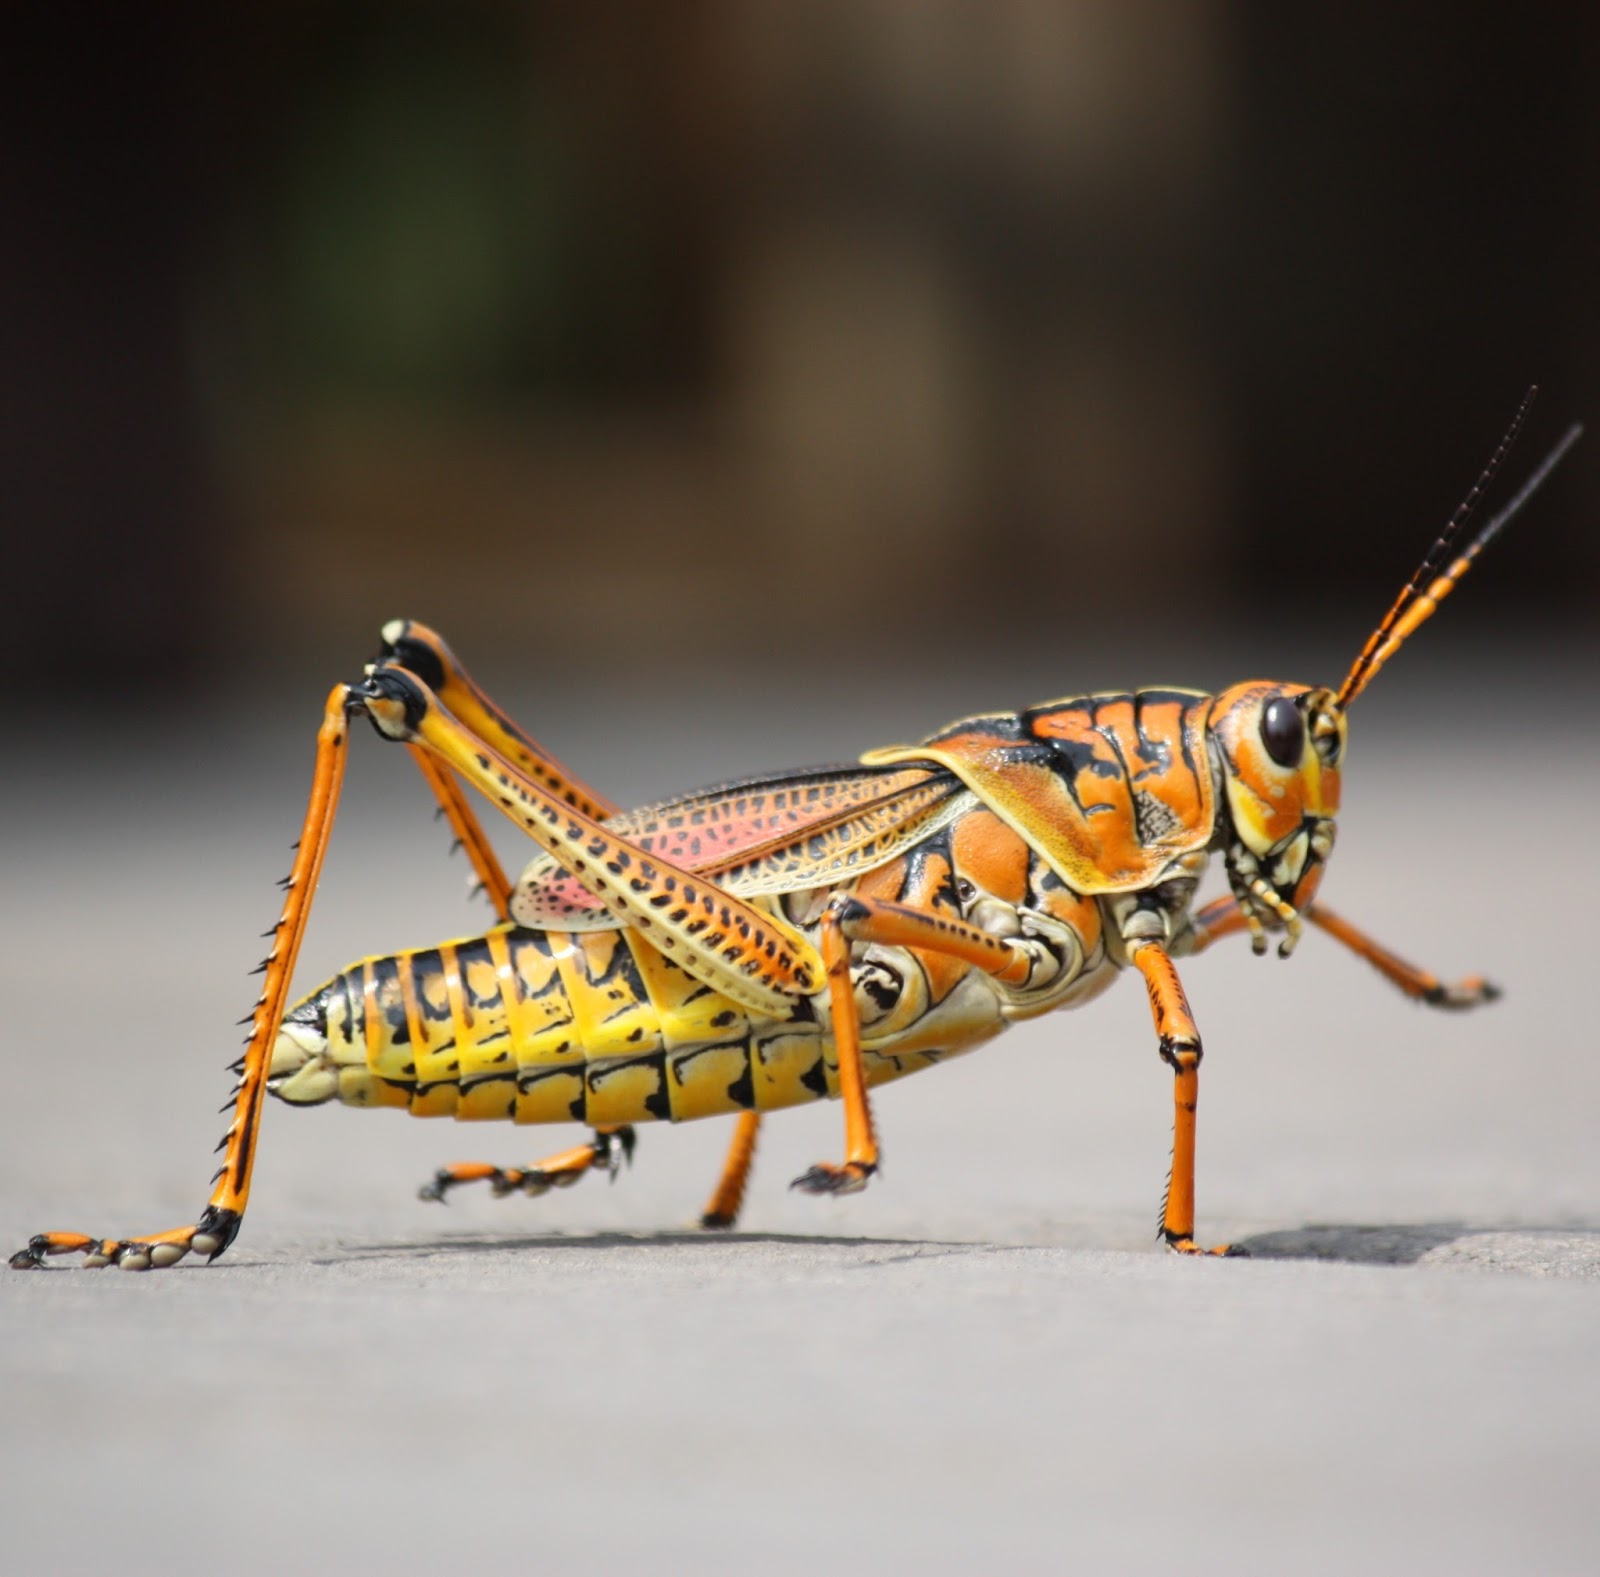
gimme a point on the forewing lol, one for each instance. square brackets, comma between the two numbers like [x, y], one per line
[774, 834]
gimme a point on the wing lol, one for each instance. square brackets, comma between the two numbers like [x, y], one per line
[764, 835]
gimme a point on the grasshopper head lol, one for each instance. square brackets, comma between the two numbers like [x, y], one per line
[1280, 748]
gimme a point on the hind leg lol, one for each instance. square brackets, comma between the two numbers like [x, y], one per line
[608, 1149]
[415, 647]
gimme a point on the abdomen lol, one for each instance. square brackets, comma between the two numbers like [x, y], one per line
[533, 1026]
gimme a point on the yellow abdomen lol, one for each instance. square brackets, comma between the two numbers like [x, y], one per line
[544, 1026]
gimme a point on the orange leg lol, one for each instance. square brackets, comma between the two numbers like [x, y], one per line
[219, 1222]
[752, 957]
[1224, 918]
[609, 1148]
[468, 830]
[848, 919]
[1220, 918]
[1416, 983]
[417, 648]
[722, 1210]
[423, 652]
[1180, 1050]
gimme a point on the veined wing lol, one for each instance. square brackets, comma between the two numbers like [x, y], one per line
[763, 835]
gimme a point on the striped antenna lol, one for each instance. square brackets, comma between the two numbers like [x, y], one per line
[1426, 579]
[1426, 603]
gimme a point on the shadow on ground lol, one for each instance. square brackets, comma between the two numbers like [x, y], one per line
[636, 1241]
[1566, 1251]
[1356, 1244]
[1548, 1251]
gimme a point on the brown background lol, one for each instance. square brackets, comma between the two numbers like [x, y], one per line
[819, 334]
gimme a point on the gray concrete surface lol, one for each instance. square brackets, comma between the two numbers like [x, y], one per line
[983, 1360]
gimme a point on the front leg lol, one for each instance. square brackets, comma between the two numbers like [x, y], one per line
[1417, 984]
[1179, 1041]
[1225, 918]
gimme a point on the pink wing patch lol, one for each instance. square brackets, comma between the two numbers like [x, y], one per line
[776, 834]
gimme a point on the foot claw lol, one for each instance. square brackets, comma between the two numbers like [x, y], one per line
[31, 1257]
[1456, 995]
[209, 1236]
[1186, 1245]
[614, 1150]
[826, 1178]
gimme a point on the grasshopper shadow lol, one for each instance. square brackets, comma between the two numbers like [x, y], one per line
[1544, 1250]
[1353, 1243]
[636, 1242]
[1568, 1250]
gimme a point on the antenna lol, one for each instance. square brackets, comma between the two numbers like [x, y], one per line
[1421, 595]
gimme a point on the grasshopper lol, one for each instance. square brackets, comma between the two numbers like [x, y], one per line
[809, 934]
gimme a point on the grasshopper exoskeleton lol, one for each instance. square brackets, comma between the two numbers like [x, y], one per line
[806, 934]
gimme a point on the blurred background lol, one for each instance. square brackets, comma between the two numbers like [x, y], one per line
[814, 338]
[745, 385]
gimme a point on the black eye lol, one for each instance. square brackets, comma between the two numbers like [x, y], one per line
[1283, 731]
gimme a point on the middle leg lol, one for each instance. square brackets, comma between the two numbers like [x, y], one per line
[852, 918]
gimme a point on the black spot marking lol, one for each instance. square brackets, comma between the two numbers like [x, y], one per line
[742, 1092]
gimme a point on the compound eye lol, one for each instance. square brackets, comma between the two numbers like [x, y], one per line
[1283, 731]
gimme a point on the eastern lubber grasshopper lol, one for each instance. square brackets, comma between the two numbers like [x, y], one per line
[798, 935]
